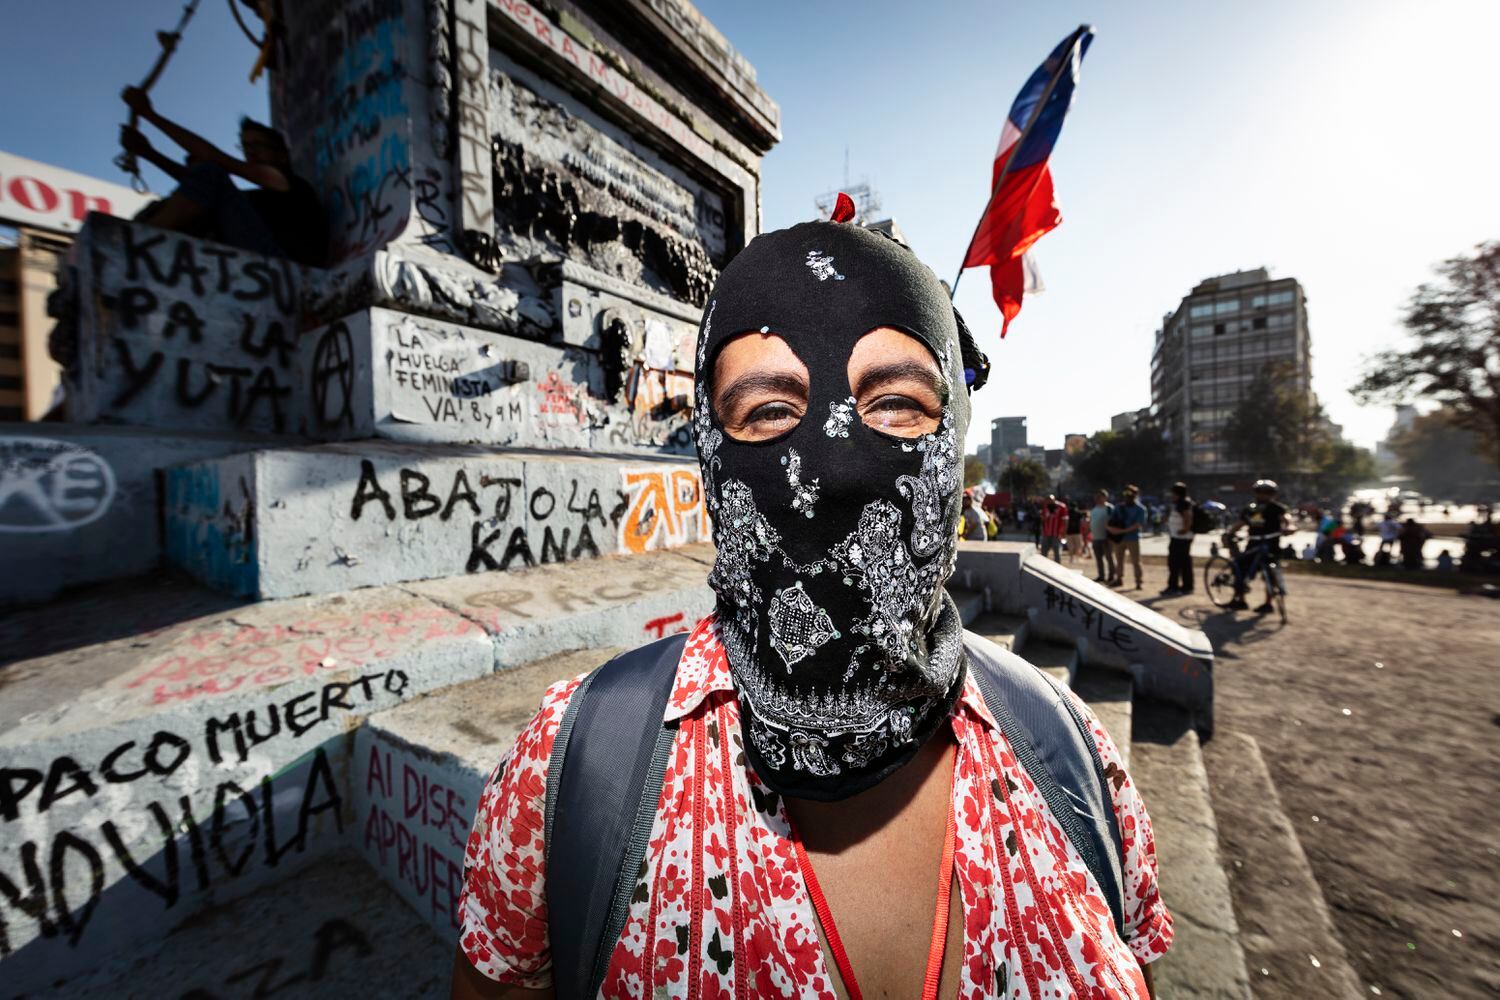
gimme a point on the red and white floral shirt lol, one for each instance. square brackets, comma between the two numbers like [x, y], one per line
[722, 910]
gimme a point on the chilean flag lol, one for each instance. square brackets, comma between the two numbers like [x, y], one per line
[1022, 208]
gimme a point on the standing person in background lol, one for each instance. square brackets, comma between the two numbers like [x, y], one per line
[1390, 530]
[1054, 521]
[971, 520]
[1035, 517]
[1412, 536]
[1129, 517]
[1075, 531]
[1104, 555]
[1179, 542]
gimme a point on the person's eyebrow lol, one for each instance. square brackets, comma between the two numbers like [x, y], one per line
[760, 381]
[879, 376]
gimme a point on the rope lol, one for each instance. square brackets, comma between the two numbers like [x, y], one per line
[234, 8]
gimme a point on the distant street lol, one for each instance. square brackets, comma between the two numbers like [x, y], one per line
[1156, 545]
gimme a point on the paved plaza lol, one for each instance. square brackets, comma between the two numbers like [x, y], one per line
[1377, 713]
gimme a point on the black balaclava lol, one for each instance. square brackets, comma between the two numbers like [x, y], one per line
[834, 539]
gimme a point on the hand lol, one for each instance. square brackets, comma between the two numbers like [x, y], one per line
[137, 100]
[133, 142]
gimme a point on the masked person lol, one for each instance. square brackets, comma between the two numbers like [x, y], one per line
[825, 744]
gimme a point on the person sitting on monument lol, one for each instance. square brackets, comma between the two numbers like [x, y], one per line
[837, 760]
[281, 217]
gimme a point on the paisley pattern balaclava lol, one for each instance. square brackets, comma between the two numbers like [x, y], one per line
[834, 539]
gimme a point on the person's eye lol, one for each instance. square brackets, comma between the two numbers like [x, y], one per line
[898, 415]
[773, 417]
[762, 421]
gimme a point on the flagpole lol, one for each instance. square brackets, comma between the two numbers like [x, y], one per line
[1036, 114]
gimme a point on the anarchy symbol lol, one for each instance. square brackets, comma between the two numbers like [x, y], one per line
[333, 361]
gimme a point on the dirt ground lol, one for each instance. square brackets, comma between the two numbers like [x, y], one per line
[1377, 710]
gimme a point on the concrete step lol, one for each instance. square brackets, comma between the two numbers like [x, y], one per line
[1291, 945]
[415, 378]
[315, 520]
[177, 333]
[1111, 697]
[1004, 630]
[158, 773]
[970, 603]
[418, 771]
[334, 930]
[80, 503]
[1206, 958]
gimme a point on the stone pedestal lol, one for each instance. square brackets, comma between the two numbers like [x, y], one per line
[486, 388]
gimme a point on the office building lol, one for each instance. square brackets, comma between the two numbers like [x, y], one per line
[1386, 459]
[28, 273]
[1226, 331]
[41, 206]
[1128, 420]
[1007, 435]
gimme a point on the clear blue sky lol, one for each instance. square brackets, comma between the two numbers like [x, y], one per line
[1348, 143]
[63, 64]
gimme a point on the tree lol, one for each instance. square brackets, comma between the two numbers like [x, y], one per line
[1342, 468]
[974, 471]
[1113, 459]
[1024, 477]
[1455, 357]
[1445, 459]
[1278, 429]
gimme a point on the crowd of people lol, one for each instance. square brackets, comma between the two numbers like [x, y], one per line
[1108, 529]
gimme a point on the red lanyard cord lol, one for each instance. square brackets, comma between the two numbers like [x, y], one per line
[939, 920]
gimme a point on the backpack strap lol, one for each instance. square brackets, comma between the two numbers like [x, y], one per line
[604, 778]
[1053, 743]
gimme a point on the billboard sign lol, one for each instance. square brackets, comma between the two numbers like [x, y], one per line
[47, 197]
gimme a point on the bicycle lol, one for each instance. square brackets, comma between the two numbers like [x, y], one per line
[1218, 575]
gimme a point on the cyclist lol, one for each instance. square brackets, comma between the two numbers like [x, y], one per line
[1267, 522]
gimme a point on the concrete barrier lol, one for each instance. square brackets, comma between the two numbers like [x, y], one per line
[79, 503]
[1166, 661]
[331, 518]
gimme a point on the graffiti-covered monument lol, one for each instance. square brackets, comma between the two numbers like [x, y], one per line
[288, 501]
